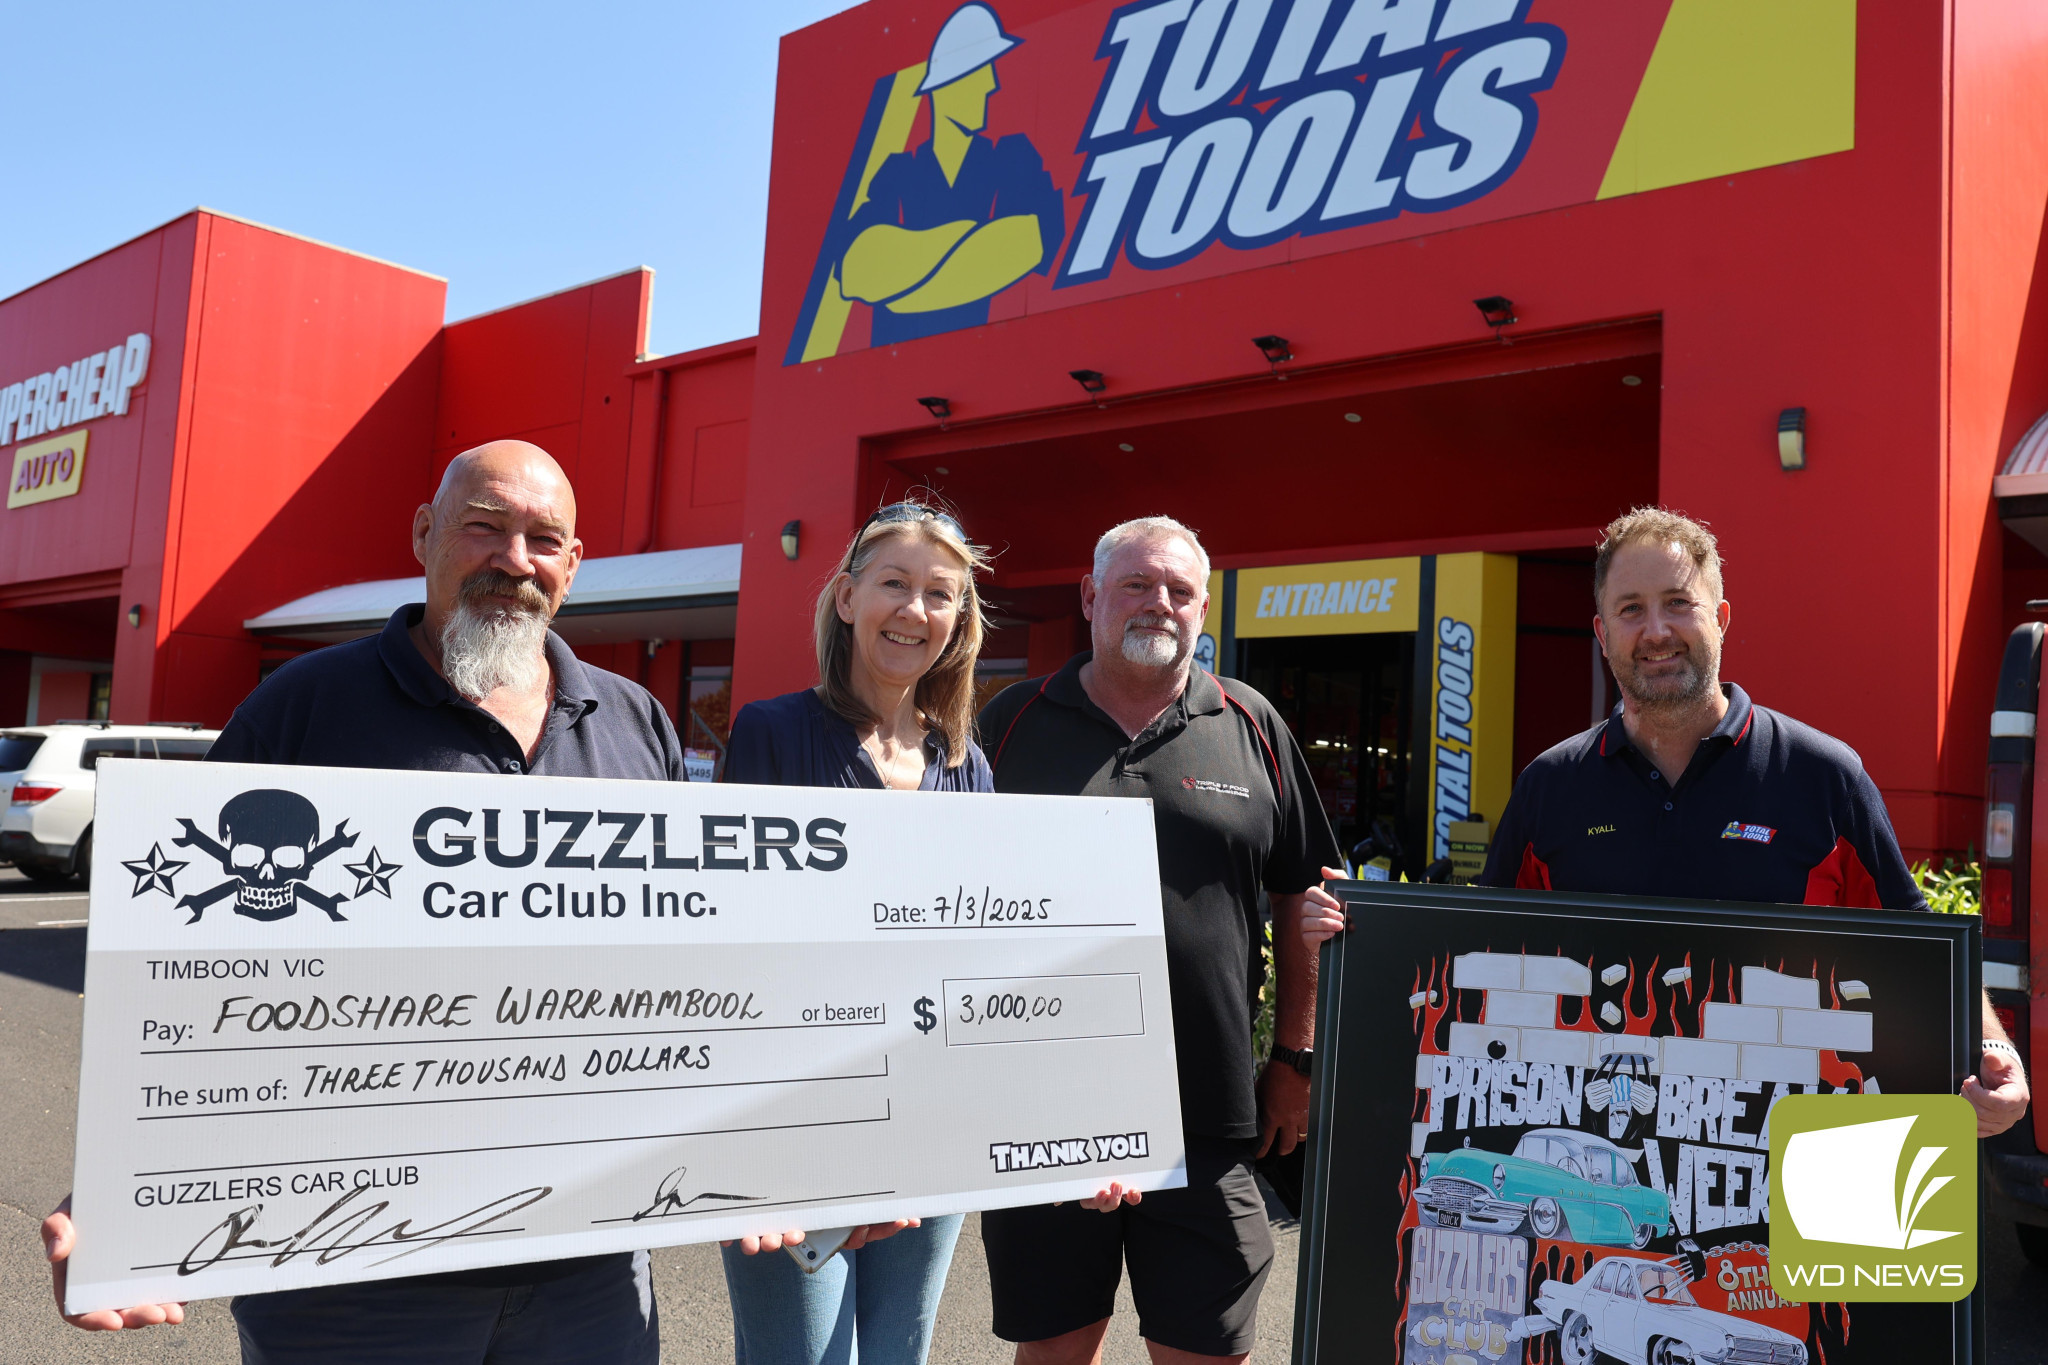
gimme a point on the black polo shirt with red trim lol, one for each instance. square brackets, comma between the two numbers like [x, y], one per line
[1768, 809]
[1235, 815]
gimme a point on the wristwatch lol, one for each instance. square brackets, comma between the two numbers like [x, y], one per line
[1989, 1045]
[1298, 1059]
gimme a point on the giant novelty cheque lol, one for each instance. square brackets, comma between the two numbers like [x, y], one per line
[348, 1024]
[1542, 1123]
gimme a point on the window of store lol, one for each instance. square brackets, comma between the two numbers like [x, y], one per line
[707, 721]
[1347, 698]
[993, 675]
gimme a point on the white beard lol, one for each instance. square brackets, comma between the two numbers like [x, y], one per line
[484, 651]
[1150, 649]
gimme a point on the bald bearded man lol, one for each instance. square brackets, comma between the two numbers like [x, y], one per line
[471, 680]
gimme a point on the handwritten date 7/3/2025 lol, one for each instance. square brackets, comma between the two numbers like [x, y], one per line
[966, 909]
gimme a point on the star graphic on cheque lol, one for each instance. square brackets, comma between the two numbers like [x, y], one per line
[154, 873]
[373, 874]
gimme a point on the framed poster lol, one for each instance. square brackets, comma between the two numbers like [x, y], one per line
[1539, 1125]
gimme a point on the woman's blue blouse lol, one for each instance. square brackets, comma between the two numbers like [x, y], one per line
[794, 741]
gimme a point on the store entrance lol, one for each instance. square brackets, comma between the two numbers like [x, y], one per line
[1349, 699]
[1353, 517]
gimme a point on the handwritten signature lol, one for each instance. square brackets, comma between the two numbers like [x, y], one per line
[668, 1198]
[328, 1236]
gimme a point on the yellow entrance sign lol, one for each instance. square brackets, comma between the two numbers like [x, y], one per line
[47, 469]
[1352, 597]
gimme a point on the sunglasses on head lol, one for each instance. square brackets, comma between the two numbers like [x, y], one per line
[901, 512]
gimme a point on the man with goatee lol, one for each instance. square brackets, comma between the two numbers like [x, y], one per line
[1237, 822]
[471, 681]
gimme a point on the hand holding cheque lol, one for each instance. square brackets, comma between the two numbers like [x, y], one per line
[636, 1014]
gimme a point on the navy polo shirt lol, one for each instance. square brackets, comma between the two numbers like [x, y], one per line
[794, 741]
[1768, 809]
[1235, 816]
[377, 703]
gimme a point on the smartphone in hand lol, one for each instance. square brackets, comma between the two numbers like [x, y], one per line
[817, 1248]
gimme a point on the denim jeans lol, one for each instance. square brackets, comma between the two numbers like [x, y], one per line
[602, 1316]
[874, 1306]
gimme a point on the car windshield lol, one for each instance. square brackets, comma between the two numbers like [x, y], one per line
[17, 750]
[1663, 1284]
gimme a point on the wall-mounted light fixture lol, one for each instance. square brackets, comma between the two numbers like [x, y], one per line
[1091, 381]
[790, 530]
[1499, 312]
[1275, 349]
[937, 407]
[1792, 438]
[135, 616]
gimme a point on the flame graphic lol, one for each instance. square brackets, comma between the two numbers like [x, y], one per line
[1586, 1021]
[1632, 1022]
[1820, 1329]
[1429, 1018]
[1833, 1070]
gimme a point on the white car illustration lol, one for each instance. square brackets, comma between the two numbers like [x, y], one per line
[1641, 1312]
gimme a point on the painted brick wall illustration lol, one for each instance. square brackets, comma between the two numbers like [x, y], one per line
[1776, 1032]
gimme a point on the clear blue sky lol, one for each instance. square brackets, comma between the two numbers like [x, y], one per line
[514, 148]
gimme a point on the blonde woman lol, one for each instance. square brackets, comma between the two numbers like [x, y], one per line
[898, 631]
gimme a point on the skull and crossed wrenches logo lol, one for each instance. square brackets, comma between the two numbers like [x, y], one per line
[269, 845]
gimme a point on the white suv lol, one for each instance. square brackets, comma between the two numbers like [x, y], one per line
[47, 772]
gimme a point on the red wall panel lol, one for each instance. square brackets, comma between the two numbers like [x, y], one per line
[705, 436]
[136, 287]
[304, 449]
[553, 371]
[1998, 185]
[62, 696]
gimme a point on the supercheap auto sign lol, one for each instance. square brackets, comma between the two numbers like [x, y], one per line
[1106, 150]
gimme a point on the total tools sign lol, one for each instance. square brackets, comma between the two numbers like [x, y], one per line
[1110, 149]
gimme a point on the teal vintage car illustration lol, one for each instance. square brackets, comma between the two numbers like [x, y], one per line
[1565, 1184]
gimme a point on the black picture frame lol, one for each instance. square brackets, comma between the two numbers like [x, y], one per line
[1360, 1199]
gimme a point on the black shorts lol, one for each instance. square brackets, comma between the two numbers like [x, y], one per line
[1198, 1259]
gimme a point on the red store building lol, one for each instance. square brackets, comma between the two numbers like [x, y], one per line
[1395, 303]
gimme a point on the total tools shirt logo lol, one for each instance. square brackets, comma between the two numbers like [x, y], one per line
[1251, 121]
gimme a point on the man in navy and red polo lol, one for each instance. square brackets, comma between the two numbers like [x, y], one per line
[1692, 790]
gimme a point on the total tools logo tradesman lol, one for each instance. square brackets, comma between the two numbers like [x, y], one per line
[268, 847]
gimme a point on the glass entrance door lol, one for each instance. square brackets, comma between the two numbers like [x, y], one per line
[1349, 701]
